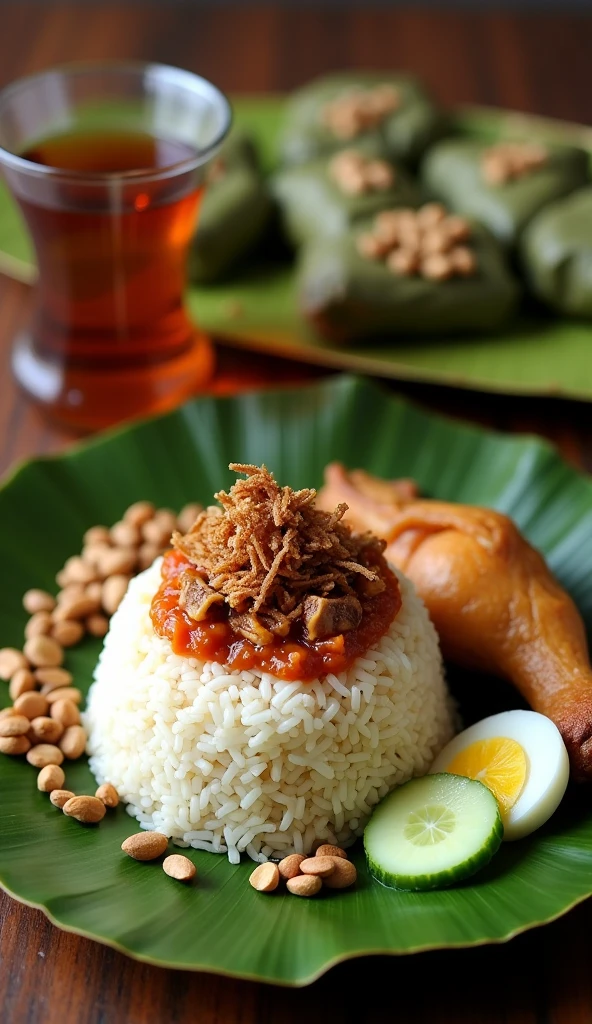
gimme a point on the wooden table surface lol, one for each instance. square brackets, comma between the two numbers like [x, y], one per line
[537, 63]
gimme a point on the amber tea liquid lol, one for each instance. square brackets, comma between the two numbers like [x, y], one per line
[112, 270]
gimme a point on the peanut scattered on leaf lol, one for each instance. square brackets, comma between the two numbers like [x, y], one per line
[265, 877]
[145, 845]
[50, 778]
[108, 794]
[179, 867]
[86, 809]
[305, 885]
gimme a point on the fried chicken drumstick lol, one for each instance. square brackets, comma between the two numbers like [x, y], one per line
[494, 602]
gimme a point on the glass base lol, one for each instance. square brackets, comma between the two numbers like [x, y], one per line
[88, 399]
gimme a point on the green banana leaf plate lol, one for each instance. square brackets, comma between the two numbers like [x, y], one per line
[257, 309]
[79, 877]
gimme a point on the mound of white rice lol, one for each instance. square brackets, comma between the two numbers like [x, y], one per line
[233, 761]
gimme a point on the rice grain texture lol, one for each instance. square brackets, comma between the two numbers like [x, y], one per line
[235, 761]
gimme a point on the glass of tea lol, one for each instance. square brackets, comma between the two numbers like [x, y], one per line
[107, 164]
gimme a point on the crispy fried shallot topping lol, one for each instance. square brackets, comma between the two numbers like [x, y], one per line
[268, 550]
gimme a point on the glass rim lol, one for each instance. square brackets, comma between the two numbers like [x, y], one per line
[73, 68]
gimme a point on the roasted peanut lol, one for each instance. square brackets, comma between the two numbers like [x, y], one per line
[76, 570]
[43, 652]
[31, 704]
[435, 241]
[436, 267]
[289, 867]
[14, 745]
[51, 777]
[179, 867]
[64, 693]
[321, 866]
[327, 850]
[158, 531]
[45, 730]
[343, 875]
[145, 845]
[403, 262]
[457, 228]
[52, 678]
[59, 797]
[22, 682]
[11, 661]
[146, 555]
[38, 601]
[68, 633]
[187, 517]
[71, 591]
[65, 712]
[463, 260]
[94, 591]
[114, 590]
[139, 513]
[97, 625]
[430, 215]
[117, 561]
[369, 246]
[38, 625]
[14, 725]
[304, 885]
[96, 535]
[265, 877]
[94, 554]
[73, 742]
[74, 609]
[108, 794]
[86, 809]
[44, 754]
[125, 535]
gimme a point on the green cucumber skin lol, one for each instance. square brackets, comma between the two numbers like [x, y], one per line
[441, 879]
[444, 878]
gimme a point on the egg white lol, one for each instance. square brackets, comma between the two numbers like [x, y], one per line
[547, 765]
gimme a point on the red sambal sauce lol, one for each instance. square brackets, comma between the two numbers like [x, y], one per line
[292, 657]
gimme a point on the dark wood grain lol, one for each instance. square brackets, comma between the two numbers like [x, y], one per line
[536, 63]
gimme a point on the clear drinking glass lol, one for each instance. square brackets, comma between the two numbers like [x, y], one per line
[107, 163]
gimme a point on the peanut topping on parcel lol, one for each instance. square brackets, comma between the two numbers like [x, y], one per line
[507, 161]
[357, 110]
[354, 173]
[428, 242]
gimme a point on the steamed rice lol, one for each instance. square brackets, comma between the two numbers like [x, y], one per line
[231, 761]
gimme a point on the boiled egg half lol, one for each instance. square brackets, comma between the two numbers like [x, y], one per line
[521, 757]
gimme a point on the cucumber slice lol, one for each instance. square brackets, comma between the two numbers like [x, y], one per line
[432, 832]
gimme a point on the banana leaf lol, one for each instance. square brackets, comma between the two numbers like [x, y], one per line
[79, 876]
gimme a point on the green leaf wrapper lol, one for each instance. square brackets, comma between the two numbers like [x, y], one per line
[451, 171]
[313, 206]
[348, 297]
[556, 254]
[235, 212]
[403, 135]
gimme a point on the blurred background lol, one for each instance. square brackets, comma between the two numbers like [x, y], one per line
[525, 55]
[529, 54]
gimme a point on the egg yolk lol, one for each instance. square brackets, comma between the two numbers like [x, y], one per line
[499, 763]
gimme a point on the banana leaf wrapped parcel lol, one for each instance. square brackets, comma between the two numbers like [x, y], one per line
[556, 254]
[502, 185]
[236, 210]
[328, 195]
[406, 272]
[390, 113]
